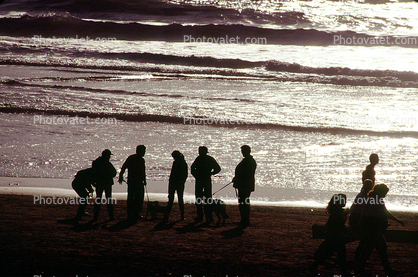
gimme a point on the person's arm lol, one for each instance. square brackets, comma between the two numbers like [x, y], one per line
[122, 171]
[112, 170]
[144, 173]
[193, 169]
[347, 211]
[391, 216]
[185, 172]
[216, 168]
[90, 189]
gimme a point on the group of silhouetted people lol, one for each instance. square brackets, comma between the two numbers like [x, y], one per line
[368, 214]
[367, 222]
[102, 172]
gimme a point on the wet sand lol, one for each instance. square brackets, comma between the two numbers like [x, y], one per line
[41, 239]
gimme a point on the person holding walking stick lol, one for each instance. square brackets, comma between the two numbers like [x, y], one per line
[136, 182]
[244, 182]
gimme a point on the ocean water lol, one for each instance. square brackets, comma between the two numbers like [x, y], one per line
[311, 107]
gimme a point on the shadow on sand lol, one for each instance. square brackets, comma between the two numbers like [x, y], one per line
[233, 233]
[77, 227]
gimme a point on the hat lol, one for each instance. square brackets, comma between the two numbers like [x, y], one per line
[106, 152]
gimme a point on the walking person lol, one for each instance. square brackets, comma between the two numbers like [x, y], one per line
[104, 172]
[355, 213]
[202, 169]
[334, 236]
[369, 172]
[136, 182]
[244, 182]
[176, 182]
[373, 223]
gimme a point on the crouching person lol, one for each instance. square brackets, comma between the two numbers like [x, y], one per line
[82, 184]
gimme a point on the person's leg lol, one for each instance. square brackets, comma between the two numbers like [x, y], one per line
[130, 202]
[109, 202]
[368, 247]
[382, 249]
[359, 249]
[241, 205]
[82, 207]
[171, 191]
[84, 196]
[199, 200]
[141, 195]
[97, 201]
[180, 192]
[244, 206]
[208, 201]
[321, 254]
[247, 207]
[342, 257]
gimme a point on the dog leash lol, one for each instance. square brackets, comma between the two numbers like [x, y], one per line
[222, 188]
[145, 189]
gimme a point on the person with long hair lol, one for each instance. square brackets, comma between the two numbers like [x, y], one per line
[176, 182]
[334, 235]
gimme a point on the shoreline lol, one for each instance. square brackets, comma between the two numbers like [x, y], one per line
[43, 240]
[50, 187]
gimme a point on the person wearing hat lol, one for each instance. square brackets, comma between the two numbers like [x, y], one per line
[202, 169]
[104, 172]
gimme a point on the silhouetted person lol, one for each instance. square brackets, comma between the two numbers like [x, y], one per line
[136, 182]
[369, 172]
[244, 182]
[355, 213]
[373, 223]
[104, 172]
[334, 235]
[82, 185]
[358, 204]
[176, 182]
[202, 169]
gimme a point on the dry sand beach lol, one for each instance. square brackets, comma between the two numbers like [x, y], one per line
[40, 239]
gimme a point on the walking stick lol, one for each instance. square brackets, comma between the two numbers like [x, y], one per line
[146, 191]
[222, 188]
